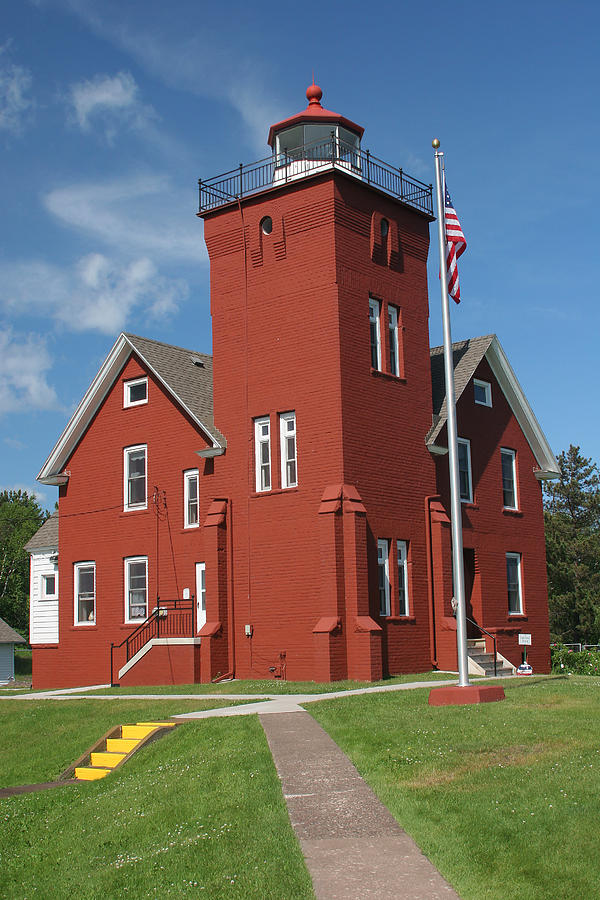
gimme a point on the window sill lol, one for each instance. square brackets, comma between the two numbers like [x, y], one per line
[290, 490]
[469, 504]
[85, 625]
[133, 509]
[187, 528]
[521, 616]
[378, 373]
[400, 620]
[508, 511]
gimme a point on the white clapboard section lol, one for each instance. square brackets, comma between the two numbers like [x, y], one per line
[43, 611]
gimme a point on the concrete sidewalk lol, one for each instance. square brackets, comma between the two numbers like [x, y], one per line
[352, 845]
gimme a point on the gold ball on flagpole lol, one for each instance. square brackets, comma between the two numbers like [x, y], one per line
[435, 143]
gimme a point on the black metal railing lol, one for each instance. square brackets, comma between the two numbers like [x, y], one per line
[308, 159]
[170, 618]
[492, 636]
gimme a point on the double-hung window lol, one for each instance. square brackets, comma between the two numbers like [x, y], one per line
[85, 593]
[394, 347]
[464, 470]
[136, 588]
[262, 453]
[375, 334]
[402, 550]
[135, 475]
[289, 459]
[383, 576]
[509, 478]
[513, 582]
[190, 498]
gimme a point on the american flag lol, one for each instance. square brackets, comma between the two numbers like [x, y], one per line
[455, 247]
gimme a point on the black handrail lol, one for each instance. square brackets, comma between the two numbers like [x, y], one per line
[493, 637]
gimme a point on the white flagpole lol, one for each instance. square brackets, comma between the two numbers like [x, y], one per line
[455, 503]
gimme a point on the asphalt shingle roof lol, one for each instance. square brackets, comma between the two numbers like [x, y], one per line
[8, 635]
[46, 536]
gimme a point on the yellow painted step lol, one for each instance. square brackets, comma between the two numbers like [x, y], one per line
[109, 760]
[84, 773]
[157, 724]
[119, 745]
[136, 732]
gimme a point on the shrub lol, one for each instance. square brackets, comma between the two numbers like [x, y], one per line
[569, 662]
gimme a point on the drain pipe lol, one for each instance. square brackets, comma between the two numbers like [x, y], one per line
[430, 587]
[230, 604]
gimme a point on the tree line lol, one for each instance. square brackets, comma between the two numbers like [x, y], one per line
[572, 524]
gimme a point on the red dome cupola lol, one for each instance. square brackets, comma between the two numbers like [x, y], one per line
[312, 127]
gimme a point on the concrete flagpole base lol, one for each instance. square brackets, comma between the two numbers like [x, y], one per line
[453, 695]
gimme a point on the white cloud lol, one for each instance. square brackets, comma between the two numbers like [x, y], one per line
[138, 214]
[112, 102]
[96, 294]
[24, 362]
[15, 82]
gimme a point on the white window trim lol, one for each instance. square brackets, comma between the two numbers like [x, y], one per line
[189, 475]
[487, 389]
[127, 402]
[384, 545]
[467, 443]
[517, 557]
[402, 557]
[512, 453]
[259, 440]
[43, 594]
[127, 562]
[200, 595]
[131, 506]
[76, 569]
[284, 418]
[393, 317]
[374, 319]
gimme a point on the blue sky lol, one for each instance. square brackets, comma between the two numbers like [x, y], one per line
[111, 111]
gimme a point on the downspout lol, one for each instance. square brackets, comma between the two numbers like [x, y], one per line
[230, 603]
[430, 588]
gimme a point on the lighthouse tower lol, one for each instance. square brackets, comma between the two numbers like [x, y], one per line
[316, 540]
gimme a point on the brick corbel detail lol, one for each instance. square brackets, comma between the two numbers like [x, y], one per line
[213, 645]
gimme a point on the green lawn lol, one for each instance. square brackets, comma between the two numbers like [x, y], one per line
[502, 797]
[198, 813]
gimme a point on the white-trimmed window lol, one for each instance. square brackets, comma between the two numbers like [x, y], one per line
[394, 346]
[374, 332]
[200, 595]
[136, 588]
[383, 576]
[464, 470]
[402, 550]
[190, 498]
[289, 459]
[135, 392]
[49, 589]
[508, 460]
[85, 593]
[134, 470]
[513, 583]
[482, 391]
[262, 452]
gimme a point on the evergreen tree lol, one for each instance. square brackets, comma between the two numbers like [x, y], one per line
[20, 518]
[572, 518]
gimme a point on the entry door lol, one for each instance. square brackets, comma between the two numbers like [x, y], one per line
[200, 595]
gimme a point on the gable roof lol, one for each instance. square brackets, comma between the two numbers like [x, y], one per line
[8, 635]
[46, 537]
[185, 374]
[466, 357]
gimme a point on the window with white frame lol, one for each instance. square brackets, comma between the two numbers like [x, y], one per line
[402, 550]
[464, 470]
[394, 347]
[135, 392]
[375, 335]
[136, 588]
[190, 498]
[483, 392]
[85, 593]
[262, 452]
[509, 478]
[383, 576]
[513, 582]
[134, 488]
[200, 595]
[49, 586]
[289, 460]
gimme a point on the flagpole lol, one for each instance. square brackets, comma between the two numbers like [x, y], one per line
[455, 502]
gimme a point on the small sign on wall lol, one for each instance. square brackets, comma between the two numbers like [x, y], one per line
[525, 640]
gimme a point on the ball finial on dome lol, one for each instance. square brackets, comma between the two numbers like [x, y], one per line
[314, 93]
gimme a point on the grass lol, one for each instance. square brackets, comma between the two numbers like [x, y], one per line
[39, 739]
[502, 797]
[198, 813]
[273, 686]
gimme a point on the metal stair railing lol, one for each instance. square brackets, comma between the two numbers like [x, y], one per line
[492, 636]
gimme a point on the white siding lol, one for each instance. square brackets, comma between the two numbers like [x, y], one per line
[43, 613]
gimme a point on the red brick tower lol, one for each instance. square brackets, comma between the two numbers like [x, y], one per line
[316, 559]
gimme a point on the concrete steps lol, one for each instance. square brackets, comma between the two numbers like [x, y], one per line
[113, 749]
[482, 663]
